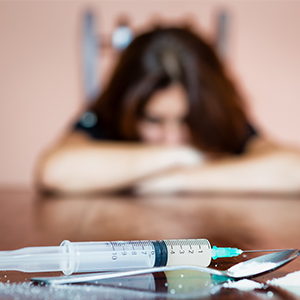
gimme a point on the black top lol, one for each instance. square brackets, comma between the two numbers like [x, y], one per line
[92, 125]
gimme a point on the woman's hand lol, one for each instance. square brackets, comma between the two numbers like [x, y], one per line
[188, 157]
[173, 180]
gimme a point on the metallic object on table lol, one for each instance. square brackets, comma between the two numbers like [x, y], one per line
[247, 269]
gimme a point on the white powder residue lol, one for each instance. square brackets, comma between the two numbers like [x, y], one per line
[292, 279]
[245, 269]
[243, 285]
[27, 291]
[290, 282]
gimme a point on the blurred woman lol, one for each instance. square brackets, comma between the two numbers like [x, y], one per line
[170, 120]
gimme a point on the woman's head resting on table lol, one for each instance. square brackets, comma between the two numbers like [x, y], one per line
[164, 118]
[170, 88]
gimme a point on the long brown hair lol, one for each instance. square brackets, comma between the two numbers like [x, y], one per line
[158, 58]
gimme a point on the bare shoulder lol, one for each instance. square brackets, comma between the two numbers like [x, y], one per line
[75, 137]
[67, 141]
[260, 146]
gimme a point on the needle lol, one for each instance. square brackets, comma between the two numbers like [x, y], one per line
[267, 250]
[232, 252]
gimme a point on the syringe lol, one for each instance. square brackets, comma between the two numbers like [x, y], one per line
[113, 255]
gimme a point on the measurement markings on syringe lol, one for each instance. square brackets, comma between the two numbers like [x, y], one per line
[143, 248]
[114, 255]
[188, 252]
[190, 246]
[191, 251]
[124, 252]
[181, 251]
[172, 250]
[133, 252]
[122, 249]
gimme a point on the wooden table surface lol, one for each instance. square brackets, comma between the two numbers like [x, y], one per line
[243, 221]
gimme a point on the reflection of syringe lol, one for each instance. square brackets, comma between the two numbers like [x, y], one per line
[111, 256]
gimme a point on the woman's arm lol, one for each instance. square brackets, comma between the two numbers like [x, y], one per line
[82, 165]
[264, 168]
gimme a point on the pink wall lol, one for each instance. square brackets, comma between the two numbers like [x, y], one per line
[40, 80]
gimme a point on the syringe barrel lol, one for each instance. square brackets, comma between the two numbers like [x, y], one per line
[108, 256]
[111, 256]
